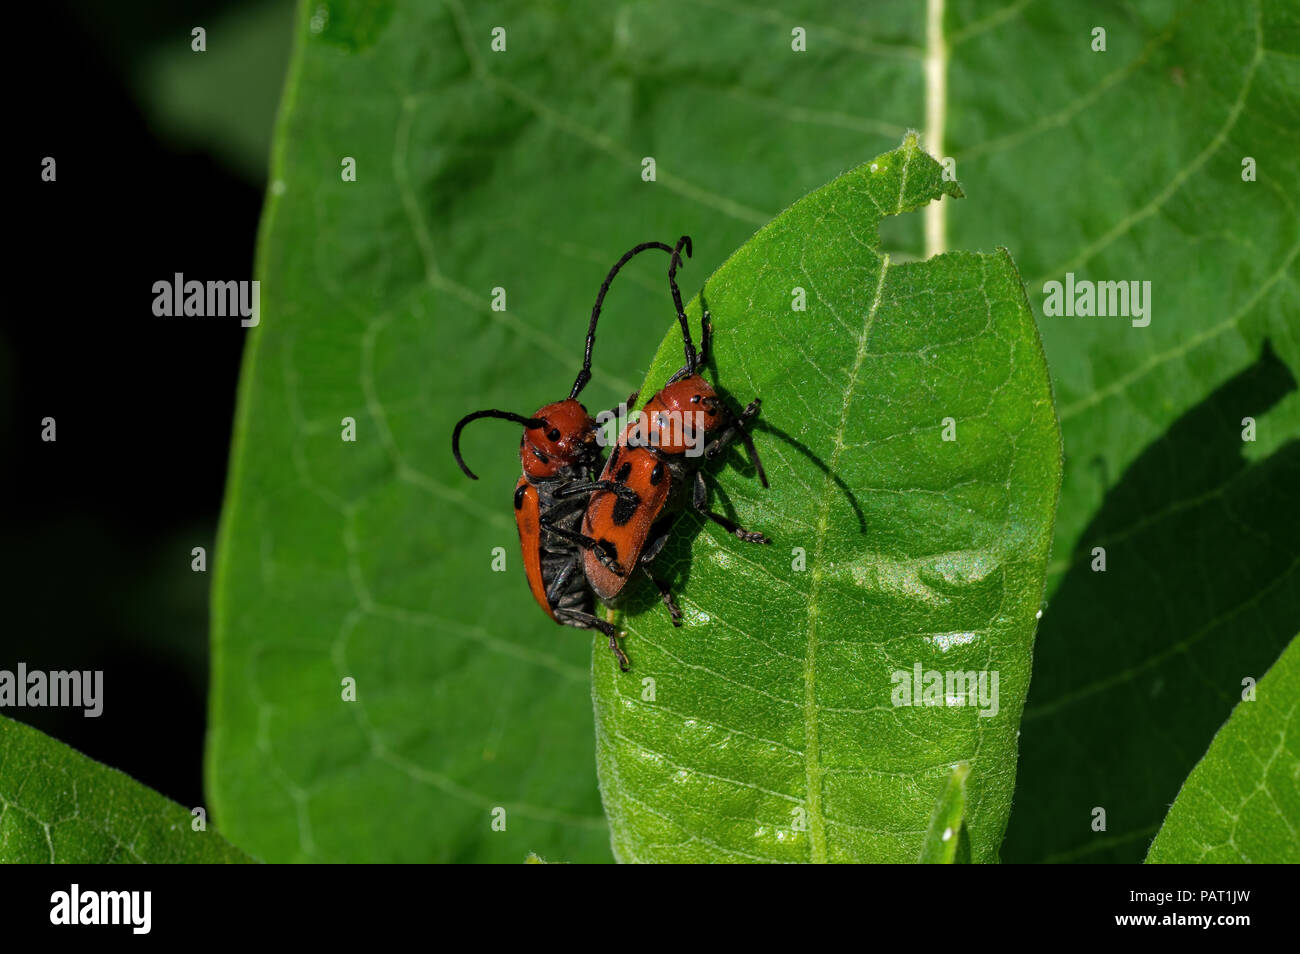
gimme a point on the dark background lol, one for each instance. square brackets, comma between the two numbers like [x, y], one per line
[160, 165]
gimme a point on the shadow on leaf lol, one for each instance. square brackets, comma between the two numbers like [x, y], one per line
[1137, 666]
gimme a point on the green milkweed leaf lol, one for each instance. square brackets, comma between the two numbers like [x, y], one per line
[372, 559]
[909, 436]
[56, 805]
[1242, 801]
[945, 841]
[1167, 159]
[524, 170]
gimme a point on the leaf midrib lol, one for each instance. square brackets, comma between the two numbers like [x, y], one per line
[813, 770]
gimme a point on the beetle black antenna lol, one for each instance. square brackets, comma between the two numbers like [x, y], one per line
[585, 374]
[503, 415]
[683, 243]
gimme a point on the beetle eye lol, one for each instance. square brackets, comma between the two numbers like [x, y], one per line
[553, 434]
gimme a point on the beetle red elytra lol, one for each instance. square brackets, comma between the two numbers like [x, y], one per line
[561, 456]
[653, 458]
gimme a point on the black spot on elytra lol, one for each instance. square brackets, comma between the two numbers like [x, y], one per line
[609, 548]
[519, 496]
[613, 458]
[657, 474]
[625, 508]
[621, 476]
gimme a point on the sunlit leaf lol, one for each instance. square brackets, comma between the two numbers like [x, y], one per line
[56, 805]
[914, 460]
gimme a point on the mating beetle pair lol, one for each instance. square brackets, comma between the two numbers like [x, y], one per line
[583, 528]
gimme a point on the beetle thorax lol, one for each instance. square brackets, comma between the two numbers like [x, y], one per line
[564, 443]
[679, 418]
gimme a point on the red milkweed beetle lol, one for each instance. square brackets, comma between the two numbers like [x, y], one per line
[653, 459]
[561, 456]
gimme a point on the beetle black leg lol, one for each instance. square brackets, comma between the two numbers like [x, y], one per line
[666, 595]
[582, 620]
[623, 490]
[737, 430]
[700, 501]
[734, 429]
[606, 558]
[614, 411]
[617, 650]
[560, 582]
[656, 544]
